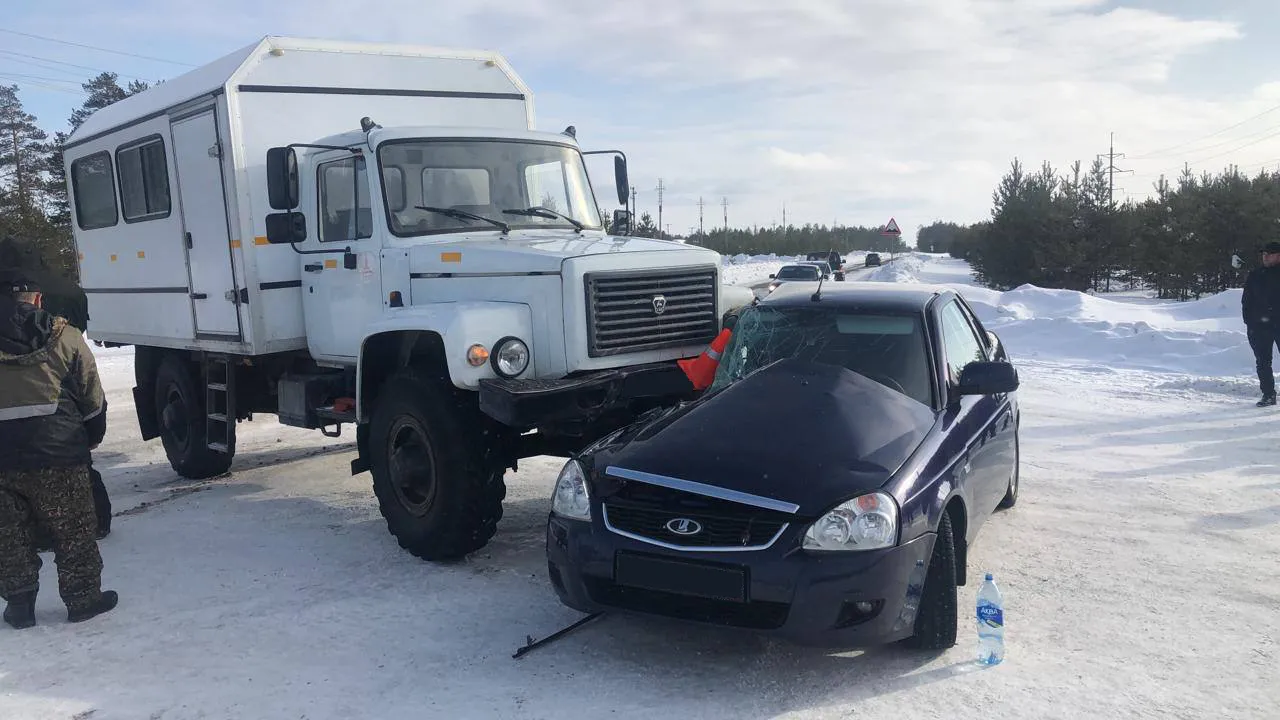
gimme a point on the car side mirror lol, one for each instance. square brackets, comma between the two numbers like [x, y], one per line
[772, 276]
[282, 178]
[988, 378]
[286, 228]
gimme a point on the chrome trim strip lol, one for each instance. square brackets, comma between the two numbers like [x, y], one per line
[688, 548]
[698, 488]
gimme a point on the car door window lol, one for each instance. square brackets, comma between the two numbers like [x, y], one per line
[959, 341]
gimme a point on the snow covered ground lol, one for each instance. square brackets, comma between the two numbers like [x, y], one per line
[1141, 570]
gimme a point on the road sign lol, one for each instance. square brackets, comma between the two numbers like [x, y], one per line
[891, 228]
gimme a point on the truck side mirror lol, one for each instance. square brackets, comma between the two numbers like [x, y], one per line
[286, 228]
[620, 178]
[282, 178]
[621, 221]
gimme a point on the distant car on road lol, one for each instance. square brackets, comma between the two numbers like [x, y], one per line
[873, 259]
[831, 256]
[825, 267]
[843, 514]
[800, 272]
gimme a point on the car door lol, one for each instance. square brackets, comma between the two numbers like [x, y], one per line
[970, 418]
[1001, 432]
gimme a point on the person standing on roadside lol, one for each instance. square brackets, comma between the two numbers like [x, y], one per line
[52, 414]
[1260, 305]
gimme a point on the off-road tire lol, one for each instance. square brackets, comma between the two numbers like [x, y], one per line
[432, 427]
[936, 620]
[1011, 495]
[181, 419]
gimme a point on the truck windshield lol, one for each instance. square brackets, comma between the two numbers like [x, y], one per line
[483, 177]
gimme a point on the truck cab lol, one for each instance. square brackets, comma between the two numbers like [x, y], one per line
[471, 269]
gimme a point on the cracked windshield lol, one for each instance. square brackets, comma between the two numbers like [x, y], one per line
[886, 348]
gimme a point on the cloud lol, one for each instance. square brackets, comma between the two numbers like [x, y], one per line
[815, 161]
[909, 108]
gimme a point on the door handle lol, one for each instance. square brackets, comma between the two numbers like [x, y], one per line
[313, 267]
[199, 296]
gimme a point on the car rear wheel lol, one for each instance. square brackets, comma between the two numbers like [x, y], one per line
[1011, 495]
[936, 620]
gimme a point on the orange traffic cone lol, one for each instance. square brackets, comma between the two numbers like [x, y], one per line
[702, 369]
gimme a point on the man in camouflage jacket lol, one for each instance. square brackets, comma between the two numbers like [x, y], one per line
[52, 413]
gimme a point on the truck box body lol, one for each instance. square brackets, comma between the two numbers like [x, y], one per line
[169, 187]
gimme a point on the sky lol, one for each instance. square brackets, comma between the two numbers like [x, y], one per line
[836, 110]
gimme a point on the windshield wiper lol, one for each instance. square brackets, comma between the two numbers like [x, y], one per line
[464, 215]
[545, 212]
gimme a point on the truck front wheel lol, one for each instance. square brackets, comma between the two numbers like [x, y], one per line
[440, 497]
[182, 423]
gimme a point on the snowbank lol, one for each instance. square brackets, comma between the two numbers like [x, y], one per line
[751, 269]
[1203, 338]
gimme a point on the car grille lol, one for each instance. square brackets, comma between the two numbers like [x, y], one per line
[623, 317]
[643, 510]
[741, 532]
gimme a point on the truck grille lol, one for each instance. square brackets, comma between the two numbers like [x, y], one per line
[650, 310]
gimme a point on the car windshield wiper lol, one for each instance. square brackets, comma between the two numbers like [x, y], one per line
[545, 212]
[464, 215]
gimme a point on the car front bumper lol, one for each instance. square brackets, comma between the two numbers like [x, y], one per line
[804, 597]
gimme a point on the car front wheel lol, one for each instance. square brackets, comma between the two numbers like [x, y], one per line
[936, 620]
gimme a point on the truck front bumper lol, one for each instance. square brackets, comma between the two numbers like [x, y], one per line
[581, 398]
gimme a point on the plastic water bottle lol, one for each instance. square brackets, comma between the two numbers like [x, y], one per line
[990, 623]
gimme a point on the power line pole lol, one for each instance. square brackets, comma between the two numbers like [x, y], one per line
[633, 203]
[699, 214]
[724, 202]
[1111, 155]
[661, 188]
[1110, 240]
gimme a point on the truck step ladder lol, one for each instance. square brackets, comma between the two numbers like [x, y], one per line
[220, 403]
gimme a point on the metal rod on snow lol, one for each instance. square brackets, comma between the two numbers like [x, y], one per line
[531, 644]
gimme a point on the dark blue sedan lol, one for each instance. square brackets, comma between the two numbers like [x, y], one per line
[826, 488]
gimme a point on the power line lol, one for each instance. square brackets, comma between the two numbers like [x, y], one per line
[29, 84]
[37, 77]
[44, 63]
[1166, 151]
[94, 47]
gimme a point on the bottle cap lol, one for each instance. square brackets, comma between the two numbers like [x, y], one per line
[989, 576]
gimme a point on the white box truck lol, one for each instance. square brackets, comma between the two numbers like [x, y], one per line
[375, 235]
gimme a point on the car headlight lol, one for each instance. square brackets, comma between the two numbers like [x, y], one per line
[571, 499]
[510, 357]
[867, 522]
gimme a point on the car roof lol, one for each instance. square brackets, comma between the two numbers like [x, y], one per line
[899, 297]
[799, 264]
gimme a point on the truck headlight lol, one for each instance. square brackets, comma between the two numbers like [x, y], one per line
[510, 357]
[867, 522]
[571, 499]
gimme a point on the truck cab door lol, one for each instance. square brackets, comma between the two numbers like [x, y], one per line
[338, 300]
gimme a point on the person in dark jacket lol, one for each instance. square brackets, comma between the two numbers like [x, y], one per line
[52, 414]
[60, 296]
[1260, 305]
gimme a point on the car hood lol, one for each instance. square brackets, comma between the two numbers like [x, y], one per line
[803, 433]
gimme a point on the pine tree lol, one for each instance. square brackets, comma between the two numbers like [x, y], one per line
[21, 145]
